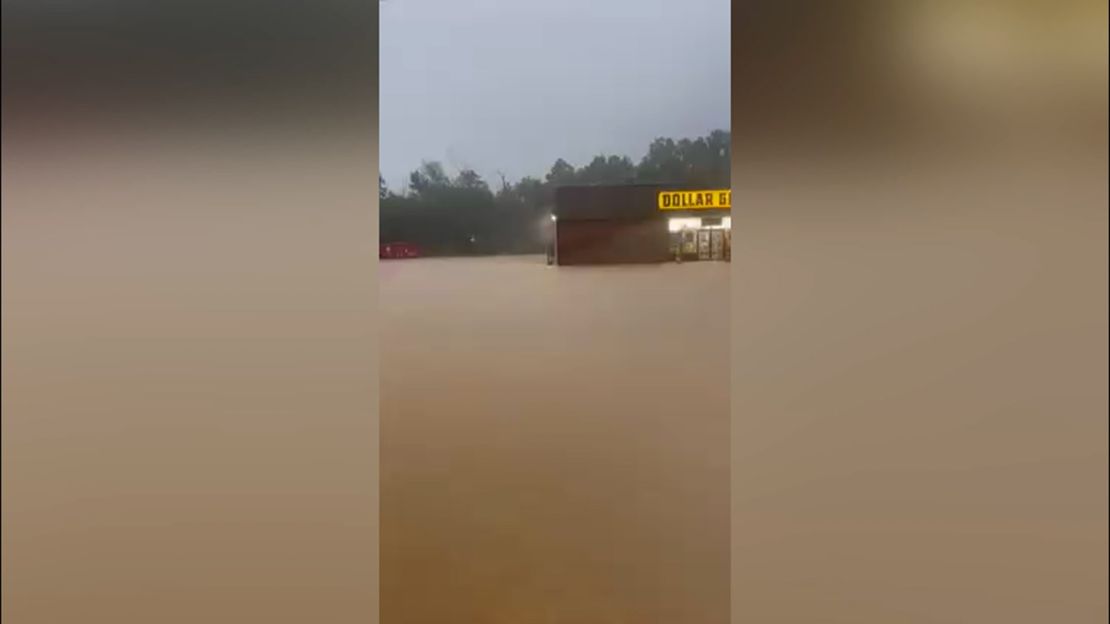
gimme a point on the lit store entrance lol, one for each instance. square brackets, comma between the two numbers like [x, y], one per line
[704, 238]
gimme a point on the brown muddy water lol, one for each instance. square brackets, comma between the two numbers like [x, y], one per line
[554, 442]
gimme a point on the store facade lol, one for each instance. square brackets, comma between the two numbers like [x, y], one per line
[640, 223]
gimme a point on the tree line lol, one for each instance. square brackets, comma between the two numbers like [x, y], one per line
[463, 215]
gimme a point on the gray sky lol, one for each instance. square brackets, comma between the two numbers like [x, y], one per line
[511, 85]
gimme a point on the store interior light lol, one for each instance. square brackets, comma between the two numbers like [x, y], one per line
[677, 224]
[724, 224]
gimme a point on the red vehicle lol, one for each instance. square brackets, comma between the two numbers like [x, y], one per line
[396, 251]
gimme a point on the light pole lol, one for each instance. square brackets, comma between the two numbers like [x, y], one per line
[553, 257]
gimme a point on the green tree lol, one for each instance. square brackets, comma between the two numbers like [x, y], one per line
[428, 177]
[704, 161]
[662, 163]
[607, 170]
[561, 173]
[469, 179]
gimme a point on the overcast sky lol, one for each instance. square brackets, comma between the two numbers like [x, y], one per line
[511, 85]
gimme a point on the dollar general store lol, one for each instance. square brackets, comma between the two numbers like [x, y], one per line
[640, 223]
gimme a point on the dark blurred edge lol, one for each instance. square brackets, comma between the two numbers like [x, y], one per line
[73, 65]
[819, 80]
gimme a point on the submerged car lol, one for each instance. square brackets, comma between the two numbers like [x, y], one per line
[397, 251]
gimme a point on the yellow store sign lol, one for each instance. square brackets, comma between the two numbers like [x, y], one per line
[720, 199]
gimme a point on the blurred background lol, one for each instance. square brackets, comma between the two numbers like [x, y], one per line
[189, 405]
[919, 312]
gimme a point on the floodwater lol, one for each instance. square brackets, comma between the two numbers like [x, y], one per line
[554, 442]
